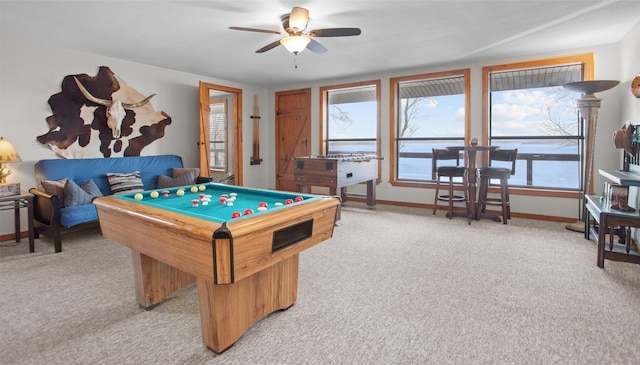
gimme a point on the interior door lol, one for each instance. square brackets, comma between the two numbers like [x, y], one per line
[293, 133]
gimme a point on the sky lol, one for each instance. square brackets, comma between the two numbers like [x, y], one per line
[515, 112]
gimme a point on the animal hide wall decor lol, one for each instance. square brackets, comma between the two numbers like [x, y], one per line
[101, 116]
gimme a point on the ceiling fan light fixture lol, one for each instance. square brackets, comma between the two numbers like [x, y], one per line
[298, 19]
[296, 43]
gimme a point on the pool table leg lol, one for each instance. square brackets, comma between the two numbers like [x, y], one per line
[227, 311]
[155, 280]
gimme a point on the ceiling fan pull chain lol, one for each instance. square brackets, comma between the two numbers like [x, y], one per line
[295, 63]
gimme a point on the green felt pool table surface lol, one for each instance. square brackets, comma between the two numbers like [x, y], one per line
[246, 198]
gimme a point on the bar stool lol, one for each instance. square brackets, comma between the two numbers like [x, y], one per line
[450, 172]
[499, 173]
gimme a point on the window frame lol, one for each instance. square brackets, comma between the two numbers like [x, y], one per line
[587, 62]
[324, 104]
[393, 118]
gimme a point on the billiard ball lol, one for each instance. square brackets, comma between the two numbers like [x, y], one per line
[138, 196]
[180, 192]
[236, 215]
[202, 188]
[233, 194]
[299, 198]
[154, 194]
[277, 204]
[262, 208]
[194, 189]
[288, 201]
[248, 211]
[194, 203]
[229, 204]
[263, 204]
[165, 193]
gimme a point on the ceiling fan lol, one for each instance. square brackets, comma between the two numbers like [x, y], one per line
[296, 40]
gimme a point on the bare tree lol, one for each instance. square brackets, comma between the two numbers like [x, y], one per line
[554, 124]
[339, 116]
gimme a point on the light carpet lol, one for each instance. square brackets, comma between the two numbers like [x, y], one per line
[393, 286]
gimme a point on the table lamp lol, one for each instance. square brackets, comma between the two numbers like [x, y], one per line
[8, 154]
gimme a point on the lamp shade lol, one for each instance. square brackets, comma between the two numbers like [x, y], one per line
[298, 19]
[296, 43]
[8, 153]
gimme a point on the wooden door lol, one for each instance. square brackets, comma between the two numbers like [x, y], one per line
[293, 133]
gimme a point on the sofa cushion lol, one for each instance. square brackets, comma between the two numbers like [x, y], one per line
[54, 187]
[72, 216]
[80, 195]
[122, 183]
[83, 169]
[177, 171]
[187, 178]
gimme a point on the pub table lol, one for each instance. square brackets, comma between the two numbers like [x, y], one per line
[471, 176]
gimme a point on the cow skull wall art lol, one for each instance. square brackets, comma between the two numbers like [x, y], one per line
[115, 108]
[101, 116]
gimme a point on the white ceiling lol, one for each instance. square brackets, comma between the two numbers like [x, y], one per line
[193, 36]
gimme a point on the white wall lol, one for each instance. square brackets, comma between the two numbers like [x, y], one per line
[630, 68]
[30, 73]
[610, 118]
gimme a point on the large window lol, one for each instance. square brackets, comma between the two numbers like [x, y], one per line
[351, 118]
[528, 109]
[430, 111]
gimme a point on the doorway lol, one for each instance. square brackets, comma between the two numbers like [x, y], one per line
[220, 153]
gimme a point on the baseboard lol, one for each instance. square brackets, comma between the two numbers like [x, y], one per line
[540, 217]
[12, 236]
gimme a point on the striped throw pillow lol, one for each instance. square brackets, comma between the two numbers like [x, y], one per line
[122, 183]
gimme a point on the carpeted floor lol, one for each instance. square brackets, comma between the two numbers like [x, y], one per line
[393, 286]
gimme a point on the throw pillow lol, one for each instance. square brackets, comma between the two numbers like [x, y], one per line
[177, 171]
[55, 187]
[187, 178]
[80, 195]
[122, 183]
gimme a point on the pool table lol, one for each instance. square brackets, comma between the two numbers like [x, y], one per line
[244, 267]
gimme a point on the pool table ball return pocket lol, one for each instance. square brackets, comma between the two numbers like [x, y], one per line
[245, 268]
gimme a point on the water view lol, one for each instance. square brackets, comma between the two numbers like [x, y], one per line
[544, 173]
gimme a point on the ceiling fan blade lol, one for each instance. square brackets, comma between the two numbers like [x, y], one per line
[256, 30]
[335, 32]
[315, 47]
[269, 47]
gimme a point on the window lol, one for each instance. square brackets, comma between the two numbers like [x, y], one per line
[218, 135]
[429, 111]
[351, 118]
[528, 109]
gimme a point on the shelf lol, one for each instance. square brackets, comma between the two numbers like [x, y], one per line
[621, 177]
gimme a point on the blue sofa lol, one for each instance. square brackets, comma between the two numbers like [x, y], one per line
[50, 211]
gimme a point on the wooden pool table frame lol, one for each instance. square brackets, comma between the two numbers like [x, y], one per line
[240, 279]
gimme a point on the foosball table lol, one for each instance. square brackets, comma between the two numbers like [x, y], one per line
[337, 172]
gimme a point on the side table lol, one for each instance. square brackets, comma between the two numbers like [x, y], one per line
[16, 202]
[600, 220]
